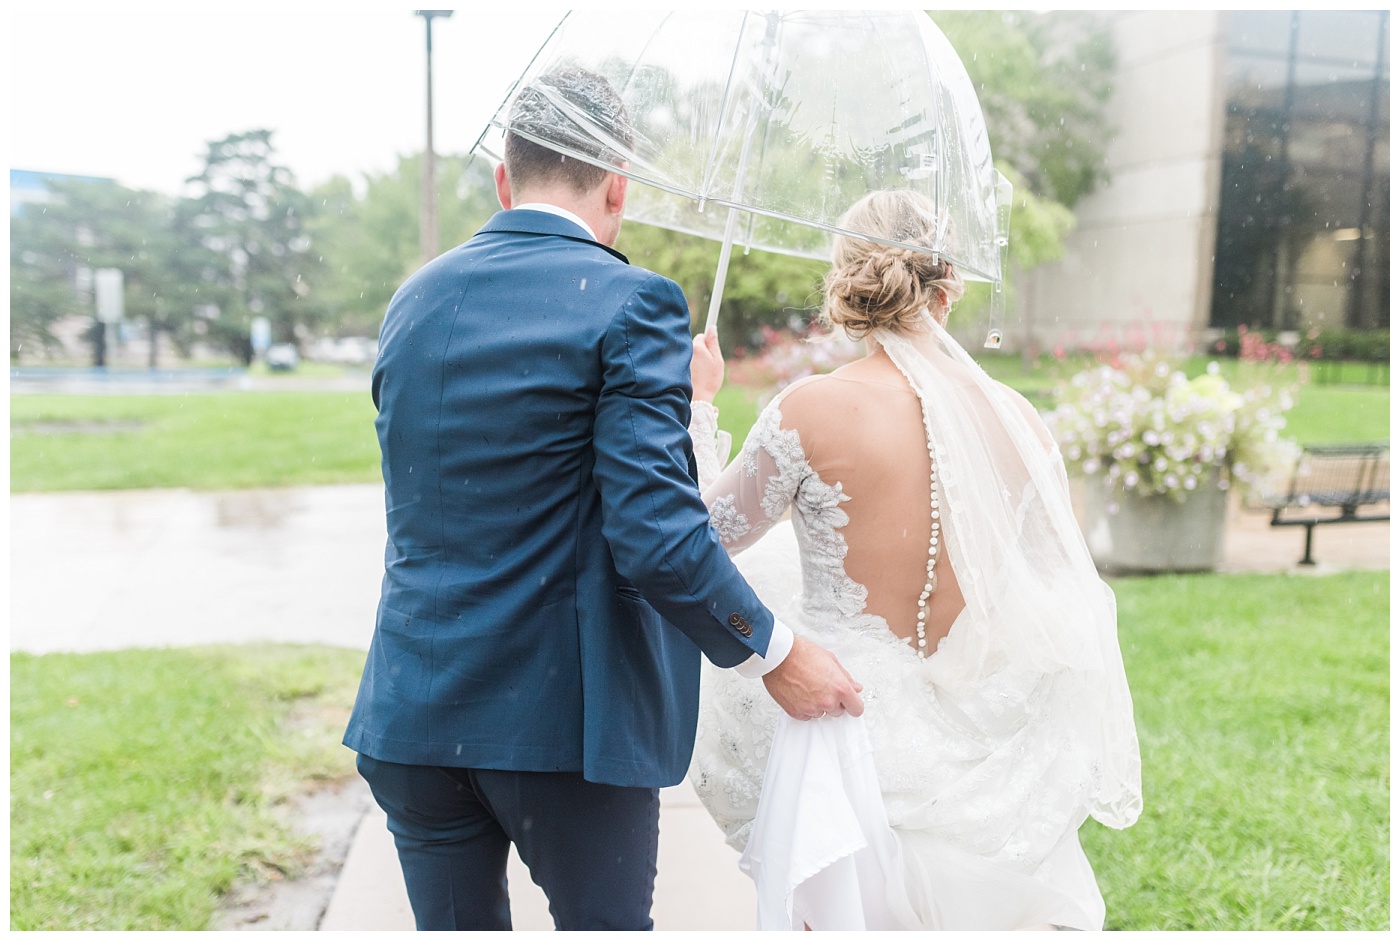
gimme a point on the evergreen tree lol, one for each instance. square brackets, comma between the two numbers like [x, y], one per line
[247, 211]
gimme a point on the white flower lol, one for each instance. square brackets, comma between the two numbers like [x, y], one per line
[1130, 425]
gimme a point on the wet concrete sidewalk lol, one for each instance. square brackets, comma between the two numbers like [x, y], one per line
[101, 571]
[153, 568]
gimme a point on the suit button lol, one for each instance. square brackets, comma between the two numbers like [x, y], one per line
[740, 624]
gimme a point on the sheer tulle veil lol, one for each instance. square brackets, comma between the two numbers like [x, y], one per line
[1036, 603]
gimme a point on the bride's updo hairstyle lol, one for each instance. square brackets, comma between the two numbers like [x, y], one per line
[872, 286]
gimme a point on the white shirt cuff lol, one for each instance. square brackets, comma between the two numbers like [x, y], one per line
[779, 646]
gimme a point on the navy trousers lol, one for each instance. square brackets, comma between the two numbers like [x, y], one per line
[590, 847]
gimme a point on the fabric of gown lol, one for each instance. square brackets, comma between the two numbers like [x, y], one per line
[981, 773]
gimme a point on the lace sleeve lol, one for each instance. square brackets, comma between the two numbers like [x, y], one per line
[712, 445]
[754, 491]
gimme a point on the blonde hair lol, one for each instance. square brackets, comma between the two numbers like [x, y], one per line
[872, 286]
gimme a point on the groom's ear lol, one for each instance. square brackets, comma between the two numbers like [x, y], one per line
[503, 186]
[617, 192]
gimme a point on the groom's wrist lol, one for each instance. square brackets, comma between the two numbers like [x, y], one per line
[779, 646]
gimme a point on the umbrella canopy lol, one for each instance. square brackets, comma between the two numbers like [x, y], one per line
[765, 127]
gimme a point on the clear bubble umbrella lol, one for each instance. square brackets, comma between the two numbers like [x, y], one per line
[763, 128]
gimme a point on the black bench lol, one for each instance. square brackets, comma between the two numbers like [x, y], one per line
[1341, 477]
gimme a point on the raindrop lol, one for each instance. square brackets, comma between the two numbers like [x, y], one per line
[583, 284]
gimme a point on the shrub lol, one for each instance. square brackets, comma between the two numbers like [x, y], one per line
[1143, 427]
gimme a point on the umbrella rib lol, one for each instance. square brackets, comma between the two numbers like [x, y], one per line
[647, 45]
[533, 59]
[711, 167]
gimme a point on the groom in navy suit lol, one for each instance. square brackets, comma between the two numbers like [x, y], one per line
[551, 579]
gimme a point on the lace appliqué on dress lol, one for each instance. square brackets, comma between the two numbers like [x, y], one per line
[725, 517]
[784, 447]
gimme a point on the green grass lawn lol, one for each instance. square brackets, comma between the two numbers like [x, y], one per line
[143, 782]
[219, 440]
[206, 441]
[1339, 414]
[1263, 710]
[738, 410]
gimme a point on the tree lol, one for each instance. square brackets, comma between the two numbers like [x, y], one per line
[369, 243]
[761, 289]
[1043, 80]
[42, 278]
[249, 214]
[91, 225]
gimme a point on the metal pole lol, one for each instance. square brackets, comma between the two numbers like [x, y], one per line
[99, 343]
[427, 222]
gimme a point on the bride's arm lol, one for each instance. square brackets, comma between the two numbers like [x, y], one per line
[753, 493]
[757, 488]
[706, 376]
[712, 446]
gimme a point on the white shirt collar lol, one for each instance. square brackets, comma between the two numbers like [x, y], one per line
[562, 213]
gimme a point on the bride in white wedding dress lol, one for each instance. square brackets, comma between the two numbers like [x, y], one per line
[932, 547]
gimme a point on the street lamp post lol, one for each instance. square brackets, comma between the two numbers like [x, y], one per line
[427, 227]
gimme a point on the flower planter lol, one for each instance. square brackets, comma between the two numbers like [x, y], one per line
[1155, 533]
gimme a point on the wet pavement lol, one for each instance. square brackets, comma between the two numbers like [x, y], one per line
[153, 568]
[156, 568]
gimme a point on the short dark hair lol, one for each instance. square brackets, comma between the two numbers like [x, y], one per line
[587, 95]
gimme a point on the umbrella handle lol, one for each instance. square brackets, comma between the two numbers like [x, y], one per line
[722, 272]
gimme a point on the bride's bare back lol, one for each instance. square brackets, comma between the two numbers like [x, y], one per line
[862, 427]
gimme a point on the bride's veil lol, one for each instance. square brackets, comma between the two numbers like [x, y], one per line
[1036, 601]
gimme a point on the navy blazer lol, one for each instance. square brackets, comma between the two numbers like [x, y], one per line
[551, 576]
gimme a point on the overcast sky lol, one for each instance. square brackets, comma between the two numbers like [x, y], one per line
[134, 93]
